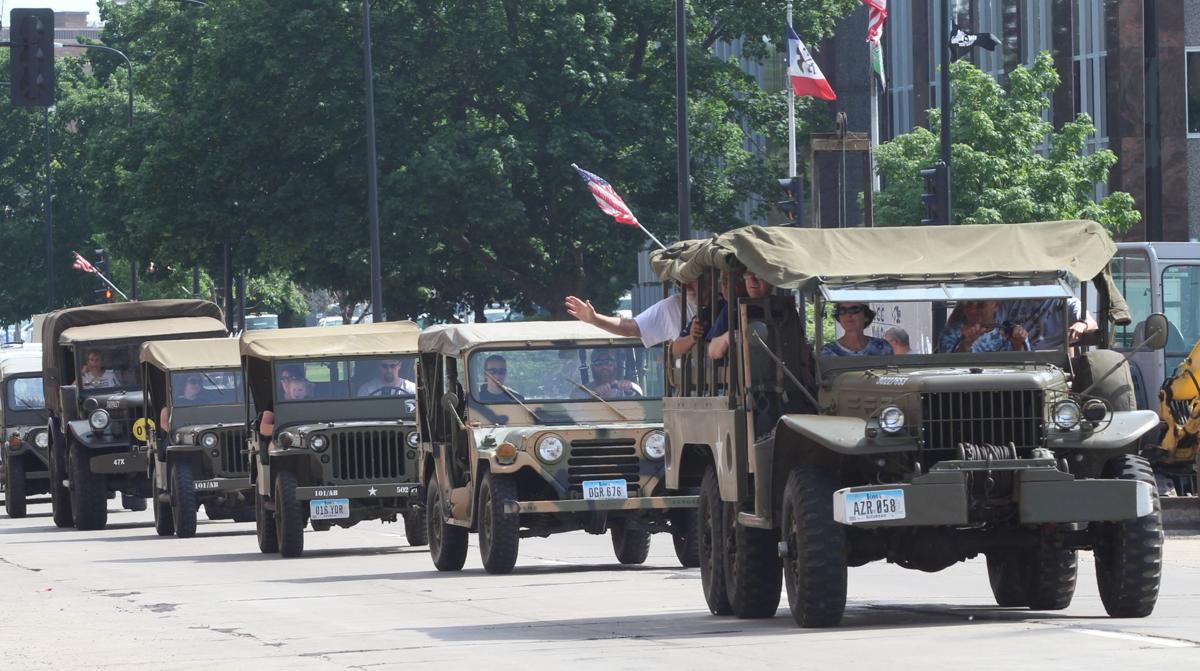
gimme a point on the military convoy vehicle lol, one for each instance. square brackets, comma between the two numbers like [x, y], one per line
[24, 457]
[93, 391]
[333, 439]
[196, 444]
[1008, 441]
[537, 428]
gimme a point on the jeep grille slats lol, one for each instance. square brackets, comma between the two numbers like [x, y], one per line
[978, 417]
[604, 459]
[233, 462]
[373, 454]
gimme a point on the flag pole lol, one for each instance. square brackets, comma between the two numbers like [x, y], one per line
[874, 85]
[651, 236]
[110, 284]
[791, 100]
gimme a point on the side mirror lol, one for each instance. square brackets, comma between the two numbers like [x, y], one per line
[1155, 329]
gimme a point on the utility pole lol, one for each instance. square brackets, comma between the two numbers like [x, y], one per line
[50, 299]
[946, 30]
[681, 122]
[372, 172]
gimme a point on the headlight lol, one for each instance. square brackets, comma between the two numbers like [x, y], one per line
[413, 439]
[41, 439]
[410, 406]
[99, 419]
[550, 448]
[891, 419]
[318, 443]
[1094, 410]
[654, 445]
[209, 440]
[287, 439]
[1065, 414]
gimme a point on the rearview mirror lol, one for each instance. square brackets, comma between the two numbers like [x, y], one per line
[1155, 329]
[450, 403]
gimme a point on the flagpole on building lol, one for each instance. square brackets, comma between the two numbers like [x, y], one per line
[791, 112]
[874, 85]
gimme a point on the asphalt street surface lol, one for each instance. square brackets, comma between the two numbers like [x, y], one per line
[362, 599]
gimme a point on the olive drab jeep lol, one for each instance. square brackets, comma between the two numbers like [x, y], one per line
[333, 439]
[93, 391]
[197, 449]
[1009, 430]
[24, 458]
[536, 428]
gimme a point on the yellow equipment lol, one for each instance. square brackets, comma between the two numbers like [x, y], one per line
[1179, 408]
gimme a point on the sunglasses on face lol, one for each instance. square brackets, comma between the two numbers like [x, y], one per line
[389, 365]
[497, 371]
[851, 310]
[287, 378]
[603, 362]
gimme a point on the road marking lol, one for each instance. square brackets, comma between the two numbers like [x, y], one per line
[1139, 638]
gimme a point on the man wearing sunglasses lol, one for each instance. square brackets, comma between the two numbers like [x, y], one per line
[605, 382]
[388, 382]
[495, 371]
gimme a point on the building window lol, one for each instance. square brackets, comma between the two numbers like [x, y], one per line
[899, 69]
[1035, 29]
[1193, 92]
[1090, 60]
[990, 21]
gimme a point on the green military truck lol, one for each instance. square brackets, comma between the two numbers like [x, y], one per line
[333, 440]
[816, 450]
[536, 428]
[93, 392]
[194, 399]
[24, 457]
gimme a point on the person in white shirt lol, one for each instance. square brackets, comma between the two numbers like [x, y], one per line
[94, 375]
[655, 325]
[388, 382]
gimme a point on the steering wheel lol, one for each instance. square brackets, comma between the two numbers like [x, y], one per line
[388, 391]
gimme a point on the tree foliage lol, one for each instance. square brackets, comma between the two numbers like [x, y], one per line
[998, 174]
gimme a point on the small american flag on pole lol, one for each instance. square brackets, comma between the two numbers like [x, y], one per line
[876, 15]
[82, 264]
[606, 197]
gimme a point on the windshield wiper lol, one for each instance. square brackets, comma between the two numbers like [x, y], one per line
[214, 383]
[596, 396]
[513, 395]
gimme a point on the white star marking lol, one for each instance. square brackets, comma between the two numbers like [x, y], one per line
[371, 491]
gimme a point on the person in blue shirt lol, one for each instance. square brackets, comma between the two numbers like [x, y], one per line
[854, 318]
[972, 327]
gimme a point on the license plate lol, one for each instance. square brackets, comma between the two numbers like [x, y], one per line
[876, 506]
[329, 509]
[602, 490]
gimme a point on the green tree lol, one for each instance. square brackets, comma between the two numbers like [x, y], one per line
[998, 175]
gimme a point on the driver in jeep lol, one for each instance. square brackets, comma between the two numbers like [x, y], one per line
[388, 382]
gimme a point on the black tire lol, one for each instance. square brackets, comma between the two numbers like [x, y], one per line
[685, 536]
[416, 528]
[14, 487]
[753, 570]
[60, 496]
[1041, 578]
[815, 566]
[1129, 553]
[184, 504]
[289, 515]
[447, 542]
[164, 520]
[89, 496]
[264, 525]
[499, 534]
[630, 544]
[711, 519]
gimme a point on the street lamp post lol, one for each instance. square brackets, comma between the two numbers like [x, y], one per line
[683, 177]
[372, 173]
[128, 66]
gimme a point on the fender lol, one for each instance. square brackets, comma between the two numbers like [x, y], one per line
[844, 435]
[1126, 427]
[81, 432]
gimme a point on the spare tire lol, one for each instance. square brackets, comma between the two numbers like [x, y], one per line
[1117, 389]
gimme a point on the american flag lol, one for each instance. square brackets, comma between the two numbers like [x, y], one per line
[608, 200]
[876, 14]
[82, 264]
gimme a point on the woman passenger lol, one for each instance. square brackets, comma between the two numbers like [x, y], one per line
[854, 318]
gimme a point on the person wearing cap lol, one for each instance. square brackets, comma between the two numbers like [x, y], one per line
[854, 318]
[605, 382]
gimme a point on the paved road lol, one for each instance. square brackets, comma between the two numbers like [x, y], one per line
[360, 598]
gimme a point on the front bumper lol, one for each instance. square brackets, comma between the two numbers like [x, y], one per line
[371, 490]
[214, 485]
[1042, 493]
[583, 506]
[119, 463]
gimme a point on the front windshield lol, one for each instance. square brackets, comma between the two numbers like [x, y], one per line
[566, 374]
[108, 366]
[24, 393]
[331, 379]
[207, 387]
[970, 327]
[1181, 305]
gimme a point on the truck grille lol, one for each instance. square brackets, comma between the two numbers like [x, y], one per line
[234, 461]
[368, 454]
[996, 417]
[604, 459]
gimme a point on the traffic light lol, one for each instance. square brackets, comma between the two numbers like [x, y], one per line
[934, 196]
[793, 207]
[104, 293]
[31, 57]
